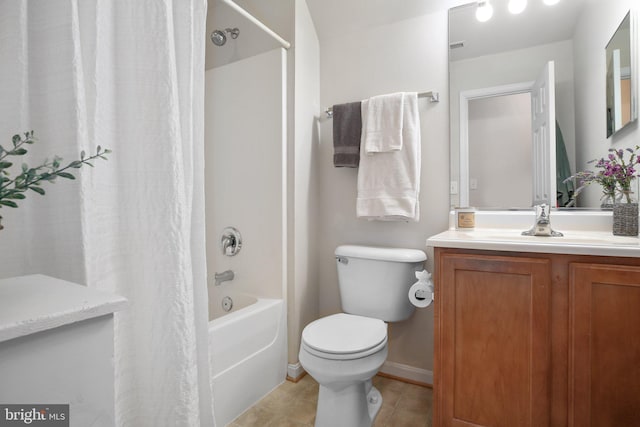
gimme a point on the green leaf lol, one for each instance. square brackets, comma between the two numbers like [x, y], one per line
[8, 203]
[16, 196]
[66, 175]
[16, 140]
[37, 190]
[75, 164]
[18, 152]
[5, 165]
[82, 154]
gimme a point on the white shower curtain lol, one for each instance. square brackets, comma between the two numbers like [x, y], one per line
[129, 76]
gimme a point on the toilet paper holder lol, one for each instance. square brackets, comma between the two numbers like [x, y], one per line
[421, 293]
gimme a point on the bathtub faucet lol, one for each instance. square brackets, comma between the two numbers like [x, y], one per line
[224, 276]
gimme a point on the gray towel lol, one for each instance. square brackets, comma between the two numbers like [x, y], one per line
[347, 128]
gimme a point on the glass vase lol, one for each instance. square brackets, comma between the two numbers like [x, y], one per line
[625, 215]
[607, 200]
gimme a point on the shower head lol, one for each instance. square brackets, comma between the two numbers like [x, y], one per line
[219, 37]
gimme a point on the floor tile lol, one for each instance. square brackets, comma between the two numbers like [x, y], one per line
[294, 405]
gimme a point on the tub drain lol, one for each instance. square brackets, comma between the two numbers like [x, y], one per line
[227, 304]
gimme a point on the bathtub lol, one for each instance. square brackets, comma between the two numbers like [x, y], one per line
[247, 353]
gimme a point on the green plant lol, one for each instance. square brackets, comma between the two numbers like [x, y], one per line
[31, 178]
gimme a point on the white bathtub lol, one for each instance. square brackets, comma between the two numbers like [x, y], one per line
[247, 353]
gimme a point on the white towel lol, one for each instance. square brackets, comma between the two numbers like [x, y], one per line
[389, 182]
[382, 124]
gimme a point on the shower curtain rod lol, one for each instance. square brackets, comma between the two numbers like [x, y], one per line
[285, 44]
[433, 97]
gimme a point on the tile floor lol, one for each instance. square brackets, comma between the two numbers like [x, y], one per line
[294, 405]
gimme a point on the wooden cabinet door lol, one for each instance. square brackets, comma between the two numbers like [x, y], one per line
[492, 364]
[604, 348]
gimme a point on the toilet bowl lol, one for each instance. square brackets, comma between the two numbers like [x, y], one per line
[343, 351]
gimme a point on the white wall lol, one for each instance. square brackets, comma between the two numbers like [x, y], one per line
[303, 185]
[409, 55]
[594, 28]
[244, 142]
[516, 67]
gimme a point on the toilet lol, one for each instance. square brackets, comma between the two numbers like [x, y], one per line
[343, 352]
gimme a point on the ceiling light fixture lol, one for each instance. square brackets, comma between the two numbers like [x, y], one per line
[517, 6]
[484, 12]
[550, 2]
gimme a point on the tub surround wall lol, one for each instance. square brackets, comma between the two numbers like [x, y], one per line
[244, 177]
[410, 55]
[252, 40]
[290, 19]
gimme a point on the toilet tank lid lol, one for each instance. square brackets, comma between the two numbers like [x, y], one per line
[380, 253]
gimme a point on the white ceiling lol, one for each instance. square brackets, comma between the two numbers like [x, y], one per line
[538, 24]
[333, 18]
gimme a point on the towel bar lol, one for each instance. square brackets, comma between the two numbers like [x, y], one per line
[433, 97]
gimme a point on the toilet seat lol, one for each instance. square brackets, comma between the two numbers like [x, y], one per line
[344, 336]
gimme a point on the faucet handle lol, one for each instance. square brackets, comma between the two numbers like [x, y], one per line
[231, 241]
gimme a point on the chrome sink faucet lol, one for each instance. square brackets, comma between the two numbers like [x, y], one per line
[542, 225]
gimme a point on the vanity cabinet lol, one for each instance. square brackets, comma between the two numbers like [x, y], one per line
[604, 345]
[534, 339]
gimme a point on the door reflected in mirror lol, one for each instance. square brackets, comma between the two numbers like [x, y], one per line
[500, 128]
[620, 111]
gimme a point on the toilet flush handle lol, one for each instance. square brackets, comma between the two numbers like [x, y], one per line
[342, 260]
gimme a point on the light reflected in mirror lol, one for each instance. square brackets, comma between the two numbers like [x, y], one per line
[510, 50]
[619, 87]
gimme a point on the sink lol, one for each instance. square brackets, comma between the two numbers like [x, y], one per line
[585, 233]
[569, 238]
[573, 242]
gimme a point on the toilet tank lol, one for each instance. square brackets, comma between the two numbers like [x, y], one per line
[375, 281]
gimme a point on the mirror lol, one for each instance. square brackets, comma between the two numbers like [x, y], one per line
[506, 55]
[619, 84]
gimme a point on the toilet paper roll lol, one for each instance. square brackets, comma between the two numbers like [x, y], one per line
[421, 294]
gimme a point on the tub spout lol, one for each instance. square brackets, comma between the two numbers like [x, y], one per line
[223, 277]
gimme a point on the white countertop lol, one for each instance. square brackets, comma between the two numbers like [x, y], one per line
[30, 304]
[584, 234]
[573, 242]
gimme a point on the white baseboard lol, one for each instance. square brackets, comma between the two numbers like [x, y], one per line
[294, 370]
[407, 372]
